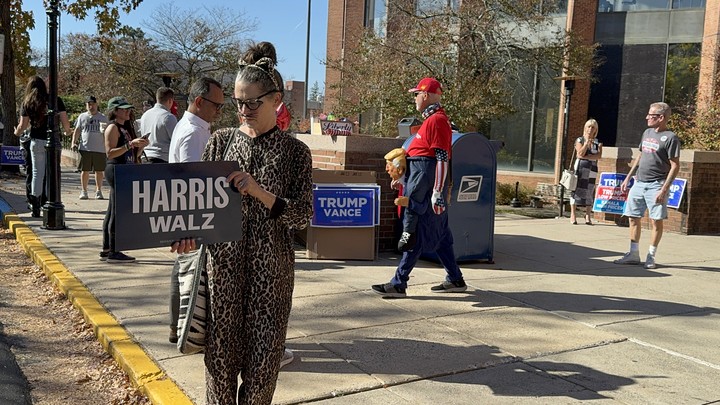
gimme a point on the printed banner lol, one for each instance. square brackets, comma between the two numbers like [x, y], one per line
[608, 196]
[347, 207]
[12, 155]
[336, 127]
[158, 204]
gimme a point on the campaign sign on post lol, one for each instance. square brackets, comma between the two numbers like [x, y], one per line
[677, 189]
[157, 204]
[348, 207]
[12, 155]
[608, 195]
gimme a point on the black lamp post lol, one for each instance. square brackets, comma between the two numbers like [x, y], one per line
[569, 86]
[54, 210]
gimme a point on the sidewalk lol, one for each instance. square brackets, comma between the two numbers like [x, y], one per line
[552, 321]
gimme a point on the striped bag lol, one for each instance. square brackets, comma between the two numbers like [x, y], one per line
[193, 301]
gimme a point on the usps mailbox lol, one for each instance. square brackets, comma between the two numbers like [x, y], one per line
[471, 211]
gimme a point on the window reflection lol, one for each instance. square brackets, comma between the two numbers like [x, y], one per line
[609, 6]
[375, 16]
[683, 73]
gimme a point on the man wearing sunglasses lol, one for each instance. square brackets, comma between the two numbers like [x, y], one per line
[191, 134]
[425, 223]
[657, 165]
[157, 125]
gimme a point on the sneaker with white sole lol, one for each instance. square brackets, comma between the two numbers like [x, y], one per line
[287, 358]
[98, 195]
[104, 255]
[449, 287]
[628, 258]
[650, 262]
[119, 257]
[389, 290]
[83, 195]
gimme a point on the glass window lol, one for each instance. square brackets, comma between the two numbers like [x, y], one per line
[608, 6]
[427, 7]
[515, 130]
[683, 73]
[375, 15]
[688, 3]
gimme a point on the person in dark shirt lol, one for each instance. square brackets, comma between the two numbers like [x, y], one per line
[33, 114]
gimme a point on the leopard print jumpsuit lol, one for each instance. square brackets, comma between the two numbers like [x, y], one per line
[251, 280]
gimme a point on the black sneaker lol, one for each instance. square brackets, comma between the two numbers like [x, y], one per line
[104, 256]
[450, 286]
[119, 257]
[407, 241]
[389, 290]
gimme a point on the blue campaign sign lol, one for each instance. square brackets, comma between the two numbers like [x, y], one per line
[339, 206]
[12, 155]
[609, 197]
[677, 189]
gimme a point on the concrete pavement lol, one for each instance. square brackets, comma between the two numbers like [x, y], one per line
[553, 320]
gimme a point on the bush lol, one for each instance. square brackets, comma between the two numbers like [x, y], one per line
[505, 192]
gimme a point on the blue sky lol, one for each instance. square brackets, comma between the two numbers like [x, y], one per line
[282, 22]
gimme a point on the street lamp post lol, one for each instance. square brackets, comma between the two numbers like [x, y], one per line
[569, 86]
[307, 62]
[54, 210]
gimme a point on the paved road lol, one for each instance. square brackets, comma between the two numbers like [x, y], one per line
[551, 321]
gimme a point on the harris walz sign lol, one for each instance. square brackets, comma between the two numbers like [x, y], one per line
[158, 204]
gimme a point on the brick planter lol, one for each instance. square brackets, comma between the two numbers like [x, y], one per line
[360, 152]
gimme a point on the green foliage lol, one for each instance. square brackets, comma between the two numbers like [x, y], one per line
[505, 192]
[699, 129]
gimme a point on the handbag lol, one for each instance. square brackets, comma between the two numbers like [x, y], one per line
[569, 179]
[192, 319]
[194, 295]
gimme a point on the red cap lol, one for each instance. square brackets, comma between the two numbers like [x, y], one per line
[428, 85]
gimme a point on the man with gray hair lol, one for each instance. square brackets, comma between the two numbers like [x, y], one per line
[157, 124]
[657, 165]
[191, 134]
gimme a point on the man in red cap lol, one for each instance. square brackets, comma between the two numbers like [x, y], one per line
[425, 224]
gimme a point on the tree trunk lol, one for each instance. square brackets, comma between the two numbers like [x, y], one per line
[7, 78]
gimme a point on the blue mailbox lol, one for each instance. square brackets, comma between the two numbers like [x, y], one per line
[471, 210]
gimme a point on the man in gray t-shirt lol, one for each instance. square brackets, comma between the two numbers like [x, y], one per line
[657, 165]
[89, 140]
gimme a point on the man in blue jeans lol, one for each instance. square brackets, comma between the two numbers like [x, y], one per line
[425, 224]
[657, 165]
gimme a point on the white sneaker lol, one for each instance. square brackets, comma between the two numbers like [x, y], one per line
[629, 258]
[287, 358]
[650, 262]
[98, 195]
[83, 195]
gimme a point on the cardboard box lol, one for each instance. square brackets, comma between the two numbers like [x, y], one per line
[341, 243]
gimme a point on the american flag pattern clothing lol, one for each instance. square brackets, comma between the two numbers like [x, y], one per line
[441, 169]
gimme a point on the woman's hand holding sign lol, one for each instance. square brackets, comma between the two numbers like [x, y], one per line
[183, 246]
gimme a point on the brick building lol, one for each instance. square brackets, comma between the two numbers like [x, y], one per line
[653, 50]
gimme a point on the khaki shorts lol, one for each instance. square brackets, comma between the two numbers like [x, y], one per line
[92, 161]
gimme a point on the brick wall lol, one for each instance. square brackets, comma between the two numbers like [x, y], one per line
[346, 20]
[710, 60]
[361, 153]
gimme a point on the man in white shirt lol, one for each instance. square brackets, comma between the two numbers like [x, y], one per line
[89, 140]
[191, 134]
[158, 124]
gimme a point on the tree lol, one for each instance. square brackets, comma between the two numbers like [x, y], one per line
[15, 24]
[204, 42]
[92, 66]
[315, 92]
[477, 50]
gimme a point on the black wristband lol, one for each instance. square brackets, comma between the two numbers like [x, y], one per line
[278, 208]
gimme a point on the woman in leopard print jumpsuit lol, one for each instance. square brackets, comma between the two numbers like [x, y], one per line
[251, 281]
